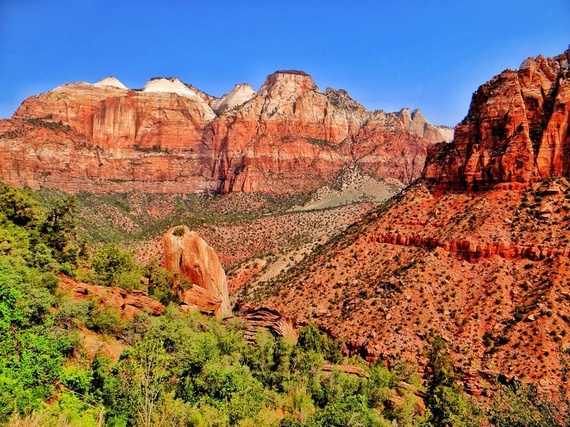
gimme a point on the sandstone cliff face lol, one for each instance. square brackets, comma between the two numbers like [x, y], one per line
[189, 255]
[172, 138]
[516, 129]
[415, 123]
[292, 136]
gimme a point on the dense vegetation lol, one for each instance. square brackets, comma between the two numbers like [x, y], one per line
[184, 369]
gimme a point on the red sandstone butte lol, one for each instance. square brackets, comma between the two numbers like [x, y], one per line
[516, 129]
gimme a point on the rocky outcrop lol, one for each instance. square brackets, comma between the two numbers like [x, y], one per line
[188, 255]
[516, 129]
[267, 319]
[169, 137]
[129, 303]
[472, 250]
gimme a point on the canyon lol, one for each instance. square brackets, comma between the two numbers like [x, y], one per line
[475, 249]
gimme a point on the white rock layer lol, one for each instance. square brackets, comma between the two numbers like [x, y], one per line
[239, 95]
[110, 82]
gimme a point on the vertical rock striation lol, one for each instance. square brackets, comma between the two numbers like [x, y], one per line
[169, 137]
[516, 129]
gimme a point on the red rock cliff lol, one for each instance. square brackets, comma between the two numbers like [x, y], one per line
[516, 129]
[172, 138]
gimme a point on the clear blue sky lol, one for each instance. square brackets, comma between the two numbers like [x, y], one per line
[388, 54]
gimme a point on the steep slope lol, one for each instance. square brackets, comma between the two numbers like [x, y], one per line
[169, 137]
[487, 270]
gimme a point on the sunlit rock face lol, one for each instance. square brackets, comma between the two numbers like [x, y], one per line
[189, 256]
[516, 129]
[169, 137]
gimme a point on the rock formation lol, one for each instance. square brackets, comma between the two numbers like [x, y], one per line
[239, 95]
[129, 303]
[473, 250]
[487, 270]
[169, 137]
[415, 123]
[516, 129]
[188, 255]
[267, 319]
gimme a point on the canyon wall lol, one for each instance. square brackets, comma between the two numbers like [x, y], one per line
[169, 137]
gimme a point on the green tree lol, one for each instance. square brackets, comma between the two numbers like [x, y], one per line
[110, 262]
[144, 373]
[59, 228]
[20, 207]
[518, 405]
[161, 282]
[446, 401]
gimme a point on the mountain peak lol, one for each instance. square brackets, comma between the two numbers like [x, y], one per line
[341, 98]
[110, 82]
[288, 138]
[294, 72]
[287, 82]
[169, 85]
[240, 94]
[516, 130]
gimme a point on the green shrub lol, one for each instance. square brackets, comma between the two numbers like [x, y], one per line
[106, 320]
[178, 231]
[110, 262]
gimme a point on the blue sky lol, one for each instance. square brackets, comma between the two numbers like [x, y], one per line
[387, 54]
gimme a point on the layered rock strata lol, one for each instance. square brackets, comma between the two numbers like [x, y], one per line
[170, 137]
[267, 319]
[473, 250]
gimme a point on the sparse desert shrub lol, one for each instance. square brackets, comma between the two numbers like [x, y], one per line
[178, 231]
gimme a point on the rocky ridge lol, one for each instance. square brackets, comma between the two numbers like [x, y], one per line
[516, 130]
[169, 137]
